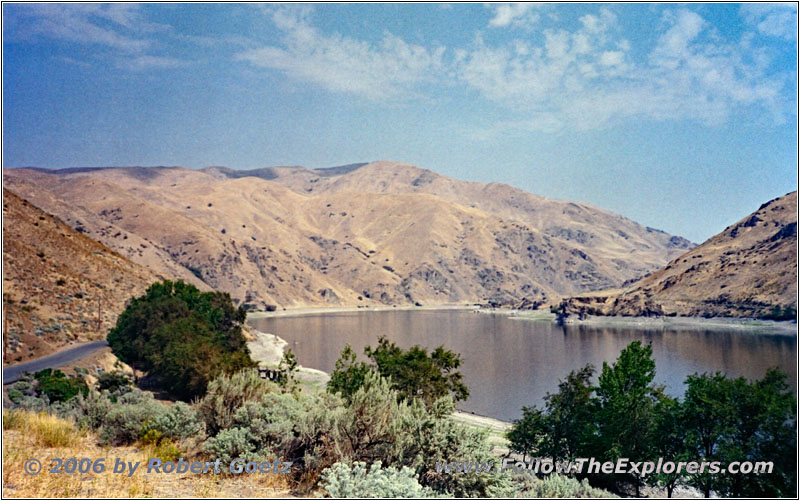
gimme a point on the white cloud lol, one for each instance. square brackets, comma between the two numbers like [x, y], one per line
[513, 14]
[773, 19]
[612, 58]
[589, 79]
[106, 25]
[379, 71]
[121, 31]
[144, 62]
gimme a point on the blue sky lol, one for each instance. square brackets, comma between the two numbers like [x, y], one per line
[680, 116]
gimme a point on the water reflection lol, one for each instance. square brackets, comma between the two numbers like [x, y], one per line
[509, 362]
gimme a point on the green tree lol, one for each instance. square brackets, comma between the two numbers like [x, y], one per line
[566, 427]
[627, 399]
[58, 387]
[735, 420]
[181, 336]
[669, 436]
[348, 374]
[288, 370]
[529, 434]
[708, 417]
[114, 382]
[413, 372]
[571, 414]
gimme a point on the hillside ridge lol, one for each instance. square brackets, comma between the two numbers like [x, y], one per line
[378, 233]
[747, 270]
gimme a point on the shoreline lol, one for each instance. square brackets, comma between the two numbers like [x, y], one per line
[302, 311]
[753, 325]
[659, 323]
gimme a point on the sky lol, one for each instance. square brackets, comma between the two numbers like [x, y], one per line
[682, 117]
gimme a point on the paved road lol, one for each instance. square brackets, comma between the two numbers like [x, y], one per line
[11, 374]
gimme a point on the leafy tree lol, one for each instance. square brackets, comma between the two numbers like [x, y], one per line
[571, 414]
[288, 370]
[708, 417]
[565, 429]
[669, 434]
[627, 399]
[413, 373]
[736, 420]
[348, 374]
[181, 336]
[114, 382]
[529, 434]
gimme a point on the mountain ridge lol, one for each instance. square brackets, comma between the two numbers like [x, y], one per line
[377, 233]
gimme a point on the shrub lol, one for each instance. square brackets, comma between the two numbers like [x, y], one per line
[343, 481]
[89, 411]
[179, 422]
[114, 382]
[231, 444]
[226, 394]
[560, 486]
[57, 386]
[15, 396]
[130, 418]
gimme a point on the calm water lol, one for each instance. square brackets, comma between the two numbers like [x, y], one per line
[510, 362]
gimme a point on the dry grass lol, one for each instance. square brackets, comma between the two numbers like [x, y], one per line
[44, 430]
[29, 435]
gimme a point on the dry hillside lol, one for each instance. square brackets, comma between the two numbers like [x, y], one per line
[381, 233]
[55, 279]
[748, 270]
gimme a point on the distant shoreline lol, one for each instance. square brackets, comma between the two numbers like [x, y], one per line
[693, 323]
[317, 310]
[661, 323]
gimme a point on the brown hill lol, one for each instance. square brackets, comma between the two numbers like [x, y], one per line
[55, 280]
[748, 270]
[358, 234]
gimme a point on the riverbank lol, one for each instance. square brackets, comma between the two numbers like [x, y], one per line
[688, 323]
[321, 310]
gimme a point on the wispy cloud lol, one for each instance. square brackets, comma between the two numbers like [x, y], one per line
[338, 63]
[121, 29]
[144, 62]
[513, 14]
[588, 78]
[773, 19]
[104, 25]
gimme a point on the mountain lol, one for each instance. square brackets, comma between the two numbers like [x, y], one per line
[55, 279]
[378, 233]
[747, 270]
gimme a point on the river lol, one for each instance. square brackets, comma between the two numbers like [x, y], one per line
[511, 362]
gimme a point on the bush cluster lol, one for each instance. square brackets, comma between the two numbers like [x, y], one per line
[122, 419]
[316, 431]
[359, 481]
